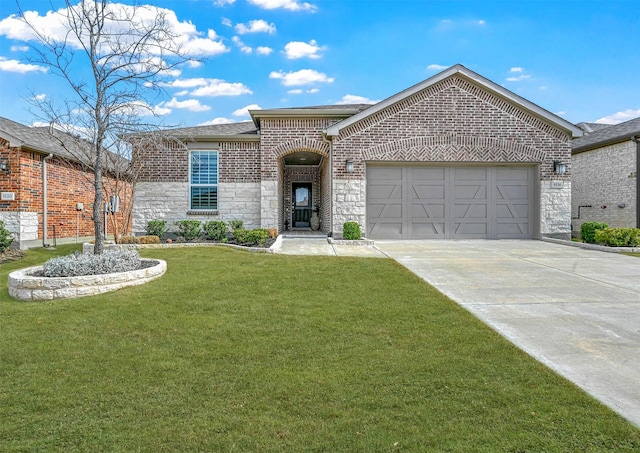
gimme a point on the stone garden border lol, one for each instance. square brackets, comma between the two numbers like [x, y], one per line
[26, 287]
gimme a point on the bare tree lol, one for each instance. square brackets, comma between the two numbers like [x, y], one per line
[112, 56]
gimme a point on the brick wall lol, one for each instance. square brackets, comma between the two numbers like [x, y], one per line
[603, 178]
[238, 162]
[67, 185]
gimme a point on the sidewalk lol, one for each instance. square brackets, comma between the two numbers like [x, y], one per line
[320, 245]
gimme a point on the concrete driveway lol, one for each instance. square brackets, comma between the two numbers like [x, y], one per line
[577, 311]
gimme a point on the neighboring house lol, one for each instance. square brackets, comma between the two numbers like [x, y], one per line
[455, 156]
[46, 192]
[605, 175]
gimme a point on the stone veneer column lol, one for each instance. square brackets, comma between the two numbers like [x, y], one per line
[349, 203]
[555, 210]
[23, 225]
[269, 204]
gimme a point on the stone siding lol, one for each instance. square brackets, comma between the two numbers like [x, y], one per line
[555, 210]
[349, 203]
[604, 178]
[23, 225]
[170, 201]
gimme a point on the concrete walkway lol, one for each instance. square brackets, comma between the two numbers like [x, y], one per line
[575, 310]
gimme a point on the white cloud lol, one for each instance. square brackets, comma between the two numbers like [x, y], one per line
[209, 87]
[244, 111]
[300, 91]
[291, 5]
[518, 74]
[353, 99]
[21, 68]
[436, 67]
[243, 47]
[297, 49]
[215, 121]
[161, 111]
[227, 22]
[40, 97]
[193, 105]
[19, 48]
[482, 22]
[223, 2]
[519, 78]
[619, 117]
[262, 50]
[122, 18]
[256, 26]
[302, 77]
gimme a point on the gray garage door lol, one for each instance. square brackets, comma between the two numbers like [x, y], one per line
[420, 202]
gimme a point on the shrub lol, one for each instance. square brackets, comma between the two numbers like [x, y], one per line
[618, 237]
[189, 229]
[254, 237]
[149, 239]
[236, 224]
[215, 230]
[112, 260]
[588, 231]
[127, 240]
[351, 231]
[5, 238]
[156, 228]
[272, 232]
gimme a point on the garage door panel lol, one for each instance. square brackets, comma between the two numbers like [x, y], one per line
[416, 202]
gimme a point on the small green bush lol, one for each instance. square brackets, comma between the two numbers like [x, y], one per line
[189, 230]
[236, 224]
[351, 231]
[79, 264]
[156, 228]
[618, 237]
[255, 237]
[588, 231]
[215, 230]
[5, 238]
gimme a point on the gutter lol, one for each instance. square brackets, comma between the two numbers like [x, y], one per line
[45, 215]
[637, 142]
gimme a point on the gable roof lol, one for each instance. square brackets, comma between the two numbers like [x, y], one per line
[243, 130]
[607, 136]
[48, 140]
[337, 111]
[459, 70]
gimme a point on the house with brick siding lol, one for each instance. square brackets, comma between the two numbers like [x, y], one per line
[455, 156]
[46, 190]
[605, 186]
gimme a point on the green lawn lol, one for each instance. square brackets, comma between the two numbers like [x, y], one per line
[236, 351]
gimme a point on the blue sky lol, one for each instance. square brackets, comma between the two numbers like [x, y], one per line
[578, 59]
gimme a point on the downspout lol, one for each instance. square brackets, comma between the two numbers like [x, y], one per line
[330, 143]
[637, 142]
[45, 216]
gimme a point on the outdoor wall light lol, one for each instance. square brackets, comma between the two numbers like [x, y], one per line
[559, 168]
[348, 165]
[4, 166]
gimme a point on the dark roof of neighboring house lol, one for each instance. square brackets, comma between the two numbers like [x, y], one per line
[607, 136]
[48, 140]
[592, 127]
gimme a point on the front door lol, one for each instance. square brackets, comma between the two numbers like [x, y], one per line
[301, 204]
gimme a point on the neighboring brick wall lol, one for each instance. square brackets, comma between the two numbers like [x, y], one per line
[67, 184]
[605, 177]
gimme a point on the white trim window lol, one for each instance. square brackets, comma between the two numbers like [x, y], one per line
[203, 180]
